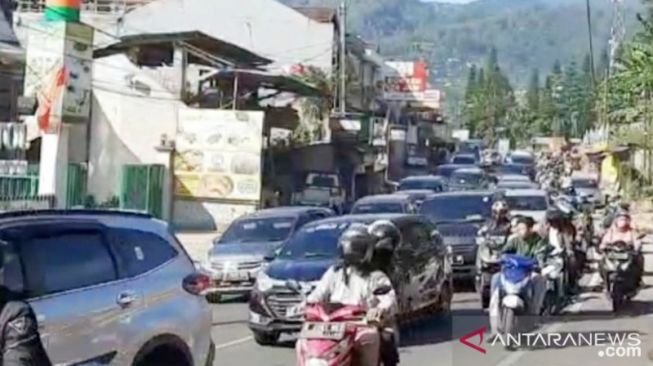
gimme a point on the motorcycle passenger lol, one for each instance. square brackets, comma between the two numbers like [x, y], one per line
[622, 231]
[387, 238]
[499, 224]
[352, 282]
[526, 243]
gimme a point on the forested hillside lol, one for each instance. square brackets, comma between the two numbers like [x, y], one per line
[527, 34]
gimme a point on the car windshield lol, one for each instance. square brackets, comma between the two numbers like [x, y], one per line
[432, 185]
[314, 241]
[522, 159]
[527, 203]
[585, 183]
[465, 178]
[512, 169]
[447, 170]
[258, 230]
[323, 181]
[457, 208]
[378, 207]
[463, 159]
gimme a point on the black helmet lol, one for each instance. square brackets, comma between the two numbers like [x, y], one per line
[386, 234]
[356, 245]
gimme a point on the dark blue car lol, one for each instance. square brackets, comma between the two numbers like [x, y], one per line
[421, 262]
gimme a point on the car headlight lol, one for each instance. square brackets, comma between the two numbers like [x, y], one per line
[263, 282]
[316, 362]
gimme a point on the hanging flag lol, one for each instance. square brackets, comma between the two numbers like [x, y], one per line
[50, 95]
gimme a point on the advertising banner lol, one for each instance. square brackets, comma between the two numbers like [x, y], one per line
[404, 81]
[59, 72]
[219, 154]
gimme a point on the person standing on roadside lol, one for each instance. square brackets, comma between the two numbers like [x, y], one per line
[20, 341]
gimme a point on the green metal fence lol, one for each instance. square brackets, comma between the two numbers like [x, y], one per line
[76, 187]
[142, 188]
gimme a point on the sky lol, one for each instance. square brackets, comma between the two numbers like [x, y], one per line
[449, 1]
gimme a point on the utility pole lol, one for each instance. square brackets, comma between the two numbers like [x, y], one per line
[343, 56]
[591, 43]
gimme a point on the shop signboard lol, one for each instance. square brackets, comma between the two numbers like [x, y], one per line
[219, 154]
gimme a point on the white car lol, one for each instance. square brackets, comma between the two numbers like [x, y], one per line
[528, 202]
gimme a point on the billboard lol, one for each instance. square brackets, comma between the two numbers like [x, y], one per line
[218, 154]
[405, 81]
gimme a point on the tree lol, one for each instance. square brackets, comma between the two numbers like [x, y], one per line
[533, 93]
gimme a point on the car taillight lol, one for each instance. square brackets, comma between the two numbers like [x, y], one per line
[196, 283]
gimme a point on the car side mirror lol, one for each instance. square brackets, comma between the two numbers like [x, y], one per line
[270, 256]
[383, 290]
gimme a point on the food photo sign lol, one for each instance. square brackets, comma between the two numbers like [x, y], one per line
[218, 154]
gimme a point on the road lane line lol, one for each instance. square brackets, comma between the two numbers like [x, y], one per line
[233, 343]
[515, 356]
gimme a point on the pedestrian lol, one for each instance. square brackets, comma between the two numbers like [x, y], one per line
[20, 341]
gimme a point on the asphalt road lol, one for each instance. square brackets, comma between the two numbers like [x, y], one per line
[435, 341]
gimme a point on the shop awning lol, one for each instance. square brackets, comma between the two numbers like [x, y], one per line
[163, 44]
[264, 79]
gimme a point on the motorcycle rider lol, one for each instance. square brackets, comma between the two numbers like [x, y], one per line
[387, 238]
[622, 231]
[526, 243]
[353, 281]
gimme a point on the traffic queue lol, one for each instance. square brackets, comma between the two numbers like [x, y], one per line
[518, 227]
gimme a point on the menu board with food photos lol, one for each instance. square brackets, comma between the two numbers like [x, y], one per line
[218, 154]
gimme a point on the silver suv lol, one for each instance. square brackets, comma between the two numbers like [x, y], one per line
[108, 288]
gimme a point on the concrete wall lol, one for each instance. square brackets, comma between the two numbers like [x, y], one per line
[130, 113]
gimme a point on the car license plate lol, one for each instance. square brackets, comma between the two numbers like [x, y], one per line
[294, 311]
[335, 331]
[618, 256]
[236, 276]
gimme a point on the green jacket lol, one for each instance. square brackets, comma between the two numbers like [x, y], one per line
[529, 247]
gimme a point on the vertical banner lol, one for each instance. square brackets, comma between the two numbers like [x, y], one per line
[59, 72]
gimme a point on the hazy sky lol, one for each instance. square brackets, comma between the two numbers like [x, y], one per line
[449, 1]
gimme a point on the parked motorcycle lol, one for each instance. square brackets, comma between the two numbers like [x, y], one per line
[517, 290]
[487, 263]
[618, 269]
[329, 331]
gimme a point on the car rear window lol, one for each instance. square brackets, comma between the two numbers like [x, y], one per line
[259, 230]
[380, 207]
[140, 251]
[457, 208]
[433, 185]
[65, 260]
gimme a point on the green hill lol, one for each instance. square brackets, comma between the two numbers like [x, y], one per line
[527, 33]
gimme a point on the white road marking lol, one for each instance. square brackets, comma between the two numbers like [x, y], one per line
[233, 343]
[515, 356]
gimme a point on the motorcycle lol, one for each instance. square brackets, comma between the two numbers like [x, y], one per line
[619, 271]
[554, 272]
[487, 263]
[328, 335]
[516, 291]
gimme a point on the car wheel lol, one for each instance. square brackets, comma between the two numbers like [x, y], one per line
[266, 338]
[214, 298]
[163, 355]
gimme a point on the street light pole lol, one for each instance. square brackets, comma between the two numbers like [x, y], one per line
[343, 56]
